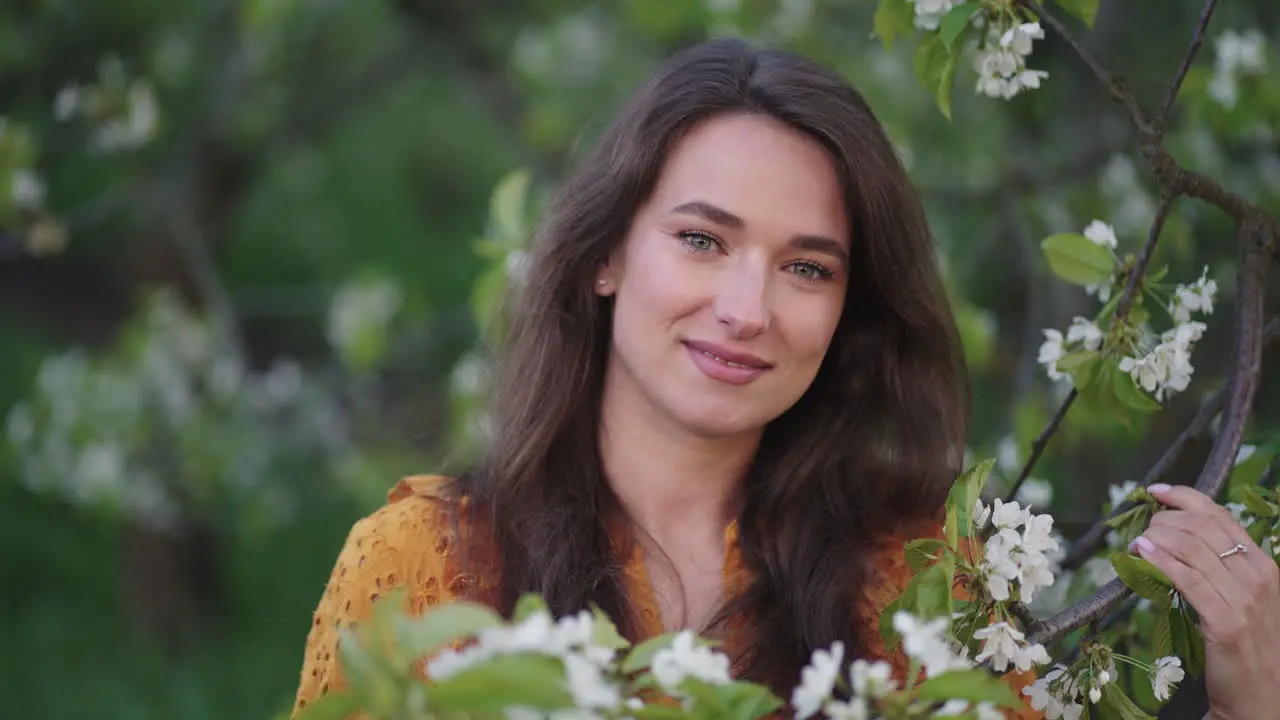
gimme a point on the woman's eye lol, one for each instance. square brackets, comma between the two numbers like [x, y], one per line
[698, 241]
[810, 271]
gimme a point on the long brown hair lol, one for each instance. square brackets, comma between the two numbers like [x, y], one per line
[875, 441]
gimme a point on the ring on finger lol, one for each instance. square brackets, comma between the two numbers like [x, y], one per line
[1237, 548]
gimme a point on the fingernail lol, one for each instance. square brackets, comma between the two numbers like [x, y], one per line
[1141, 546]
[1158, 488]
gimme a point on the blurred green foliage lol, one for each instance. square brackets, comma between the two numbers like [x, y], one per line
[348, 186]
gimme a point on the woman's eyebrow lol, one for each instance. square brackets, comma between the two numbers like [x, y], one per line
[720, 216]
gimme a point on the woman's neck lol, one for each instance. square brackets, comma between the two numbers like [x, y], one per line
[676, 486]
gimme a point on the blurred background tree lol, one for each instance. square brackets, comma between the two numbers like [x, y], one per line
[251, 253]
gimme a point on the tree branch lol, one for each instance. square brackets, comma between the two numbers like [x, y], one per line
[1197, 39]
[1244, 385]
[1092, 541]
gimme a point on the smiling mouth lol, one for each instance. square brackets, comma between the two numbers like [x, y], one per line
[730, 363]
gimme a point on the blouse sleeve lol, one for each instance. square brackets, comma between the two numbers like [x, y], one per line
[403, 544]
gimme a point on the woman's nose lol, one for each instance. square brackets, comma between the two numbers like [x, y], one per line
[741, 303]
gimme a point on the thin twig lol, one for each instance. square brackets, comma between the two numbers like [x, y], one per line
[1197, 39]
[1118, 88]
[1122, 310]
[1038, 446]
[1144, 256]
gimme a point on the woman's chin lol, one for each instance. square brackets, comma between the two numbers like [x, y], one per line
[720, 421]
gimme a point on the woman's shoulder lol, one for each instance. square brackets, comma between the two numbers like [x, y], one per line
[406, 545]
[410, 542]
[419, 509]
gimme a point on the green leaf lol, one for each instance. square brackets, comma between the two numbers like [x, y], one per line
[1162, 633]
[932, 59]
[641, 655]
[1077, 359]
[972, 685]
[443, 625]
[487, 293]
[507, 207]
[1188, 643]
[921, 552]
[1131, 523]
[734, 700]
[1086, 373]
[1143, 578]
[1249, 472]
[527, 605]
[1259, 530]
[1077, 259]
[604, 633]
[1130, 395]
[660, 711]
[964, 494]
[933, 591]
[956, 21]
[1255, 503]
[1124, 518]
[946, 81]
[894, 18]
[1120, 705]
[1086, 10]
[527, 679]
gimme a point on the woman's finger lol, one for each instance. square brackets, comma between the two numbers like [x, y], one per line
[1196, 571]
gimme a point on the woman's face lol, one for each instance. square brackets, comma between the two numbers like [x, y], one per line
[730, 282]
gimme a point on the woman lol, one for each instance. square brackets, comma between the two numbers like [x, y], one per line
[732, 388]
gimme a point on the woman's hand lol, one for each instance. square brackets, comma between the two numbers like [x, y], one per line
[1237, 598]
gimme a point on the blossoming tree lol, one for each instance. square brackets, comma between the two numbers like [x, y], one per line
[1133, 353]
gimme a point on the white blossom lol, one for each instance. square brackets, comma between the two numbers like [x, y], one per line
[817, 680]
[928, 644]
[929, 13]
[360, 308]
[1237, 54]
[1051, 351]
[1101, 234]
[1245, 452]
[871, 679]
[1086, 333]
[67, 102]
[1117, 494]
[685, 659]
[1011, 557]
[588, 684]
[1001, 64]
[980, 514]
[854, 708]
[1168, 672]
[1196, 297]
[1055, 695]
[26, 189]
[1035, 492]
[1000, 644]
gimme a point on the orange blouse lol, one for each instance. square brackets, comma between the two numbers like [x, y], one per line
[409, 543]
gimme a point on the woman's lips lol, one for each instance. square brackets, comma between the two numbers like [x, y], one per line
[726, 364]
